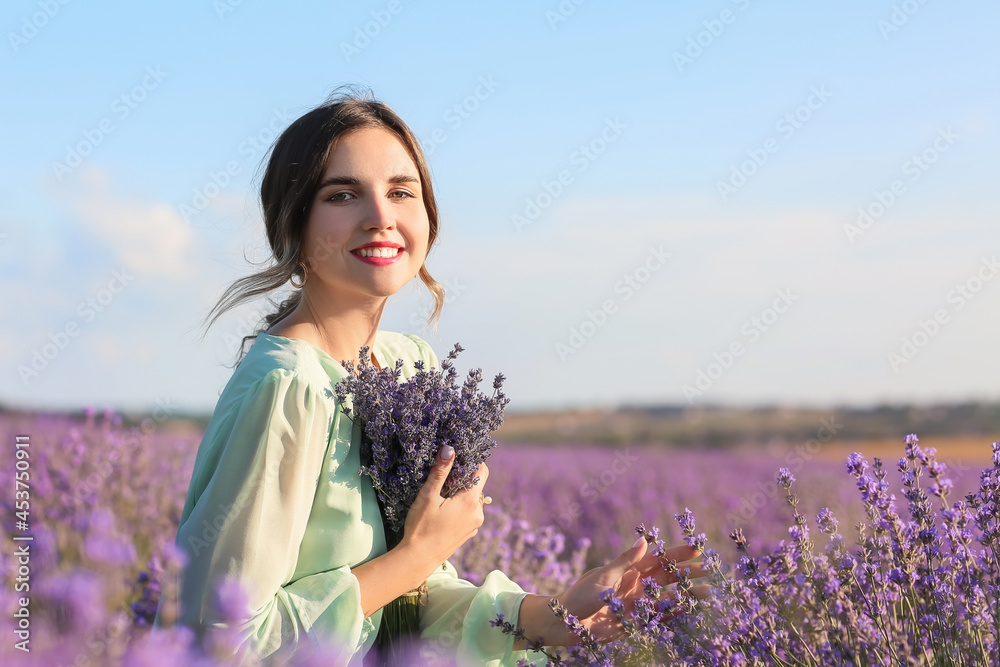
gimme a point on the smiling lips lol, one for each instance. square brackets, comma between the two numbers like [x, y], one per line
[379, 254]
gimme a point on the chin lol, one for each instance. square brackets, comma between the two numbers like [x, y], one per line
[385, 291]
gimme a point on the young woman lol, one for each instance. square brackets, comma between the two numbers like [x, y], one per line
[276, 502]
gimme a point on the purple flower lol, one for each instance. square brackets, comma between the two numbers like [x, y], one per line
[232, 602]
[856, 465]
[111, 550]
[651, 534]
[942, 487]
[174, 558]
[614, 604]
[826, 521]
[686, 522]
[76, 600]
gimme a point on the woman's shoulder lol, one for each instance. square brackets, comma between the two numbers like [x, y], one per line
[286, 362]
[408, 347]
[270, 355]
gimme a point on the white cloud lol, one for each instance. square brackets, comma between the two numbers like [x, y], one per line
[150, 238]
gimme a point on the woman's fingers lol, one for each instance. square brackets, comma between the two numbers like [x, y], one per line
[679, 554]
[664, 578]
[701, 591]
[610, 629]
[483, 473]
[626, 562]
[473, 495]
[648, 566]
[439, 473]
[694, 570]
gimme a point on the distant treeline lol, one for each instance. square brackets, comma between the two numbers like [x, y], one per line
[711, 426]
[727, 426]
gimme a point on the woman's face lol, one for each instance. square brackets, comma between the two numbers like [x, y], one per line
[369, 202]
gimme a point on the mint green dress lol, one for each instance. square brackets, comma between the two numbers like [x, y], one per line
[276, 503]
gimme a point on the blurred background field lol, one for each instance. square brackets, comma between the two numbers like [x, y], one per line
[106, 497]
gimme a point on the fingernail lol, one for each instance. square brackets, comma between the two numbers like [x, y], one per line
[447, 452]
[639, 541]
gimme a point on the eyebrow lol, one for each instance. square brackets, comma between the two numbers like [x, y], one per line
[351, 180]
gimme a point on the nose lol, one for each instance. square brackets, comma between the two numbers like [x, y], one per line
[380, 215]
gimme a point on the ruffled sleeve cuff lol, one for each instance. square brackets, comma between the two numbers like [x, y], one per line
[455, 624]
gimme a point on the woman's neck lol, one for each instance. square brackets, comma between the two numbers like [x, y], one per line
[340, 334]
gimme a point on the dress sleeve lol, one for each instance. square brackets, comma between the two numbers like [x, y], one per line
[259, 483]
[455, 623]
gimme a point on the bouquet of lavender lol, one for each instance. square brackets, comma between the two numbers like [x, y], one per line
[405, 424]
[403, 427]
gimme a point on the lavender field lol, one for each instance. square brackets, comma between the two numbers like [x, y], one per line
[104, 501]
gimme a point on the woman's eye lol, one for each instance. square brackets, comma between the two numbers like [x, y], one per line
[346, 196]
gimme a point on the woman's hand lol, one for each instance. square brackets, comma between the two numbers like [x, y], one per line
[582, 599]
[436, 527]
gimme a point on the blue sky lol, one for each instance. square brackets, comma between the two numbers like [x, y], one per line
[715, 155]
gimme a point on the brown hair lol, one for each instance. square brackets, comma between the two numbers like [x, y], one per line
[294, 171]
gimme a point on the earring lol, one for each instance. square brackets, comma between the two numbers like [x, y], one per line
[305, 277]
